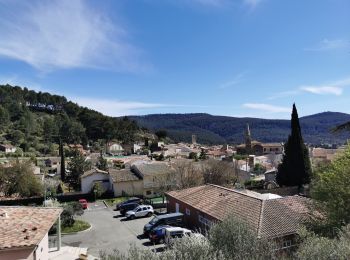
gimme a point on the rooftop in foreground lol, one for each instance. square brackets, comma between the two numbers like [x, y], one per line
[268, 215]
[25, 227]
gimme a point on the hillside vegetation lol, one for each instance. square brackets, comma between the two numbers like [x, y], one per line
[35, 121]
[316, 129]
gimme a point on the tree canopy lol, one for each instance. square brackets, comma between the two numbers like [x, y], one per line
[331, 194]
[34, 120]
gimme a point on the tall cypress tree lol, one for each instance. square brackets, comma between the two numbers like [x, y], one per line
[295, 169]
[63, 166]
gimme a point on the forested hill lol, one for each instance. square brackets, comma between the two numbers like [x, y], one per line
[222, 129]
[34, 121]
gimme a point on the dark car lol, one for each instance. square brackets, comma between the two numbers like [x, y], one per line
[126, 207]
[157, 235]
[130, 200]
[172, 219]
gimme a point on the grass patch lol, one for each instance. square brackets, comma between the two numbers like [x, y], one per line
[157, 200]
[112, 202]
[79, 225]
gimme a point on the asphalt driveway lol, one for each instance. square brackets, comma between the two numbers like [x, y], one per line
[109, 231]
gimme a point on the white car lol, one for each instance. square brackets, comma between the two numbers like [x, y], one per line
[173, 233]
[140, 211]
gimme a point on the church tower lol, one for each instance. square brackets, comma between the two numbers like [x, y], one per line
[248, 140]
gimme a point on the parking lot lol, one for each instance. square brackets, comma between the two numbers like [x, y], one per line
[109, 231]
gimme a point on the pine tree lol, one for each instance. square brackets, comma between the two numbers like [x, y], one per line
[295, 169]
[63, 164]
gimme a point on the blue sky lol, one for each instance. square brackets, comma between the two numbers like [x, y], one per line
[223, 57]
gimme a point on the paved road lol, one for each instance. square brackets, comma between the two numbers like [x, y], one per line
[109, 231]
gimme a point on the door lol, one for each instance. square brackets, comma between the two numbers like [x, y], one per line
[138, 212]
[177, 207]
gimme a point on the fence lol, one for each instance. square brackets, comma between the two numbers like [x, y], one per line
[67, 197]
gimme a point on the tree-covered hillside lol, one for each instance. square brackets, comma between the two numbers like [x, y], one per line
[34, 121]
[316, 129]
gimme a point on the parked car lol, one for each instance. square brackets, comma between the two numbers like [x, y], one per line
[133, 199]
[83, 203]
[172, 219]
[157, 234]
[140, 211]
[127, 207]
[174, 233]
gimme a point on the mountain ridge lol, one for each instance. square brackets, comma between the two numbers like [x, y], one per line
[316, 128]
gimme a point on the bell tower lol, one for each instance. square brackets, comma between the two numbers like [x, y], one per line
[248, 140]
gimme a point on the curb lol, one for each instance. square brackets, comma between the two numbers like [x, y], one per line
[74, 233]
[106, 205]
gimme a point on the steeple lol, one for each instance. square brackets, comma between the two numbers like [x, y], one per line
[248, 140]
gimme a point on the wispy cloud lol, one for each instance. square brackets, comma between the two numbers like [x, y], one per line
[65, 34]
[236, 80]
[329, 88]
[217, 3]
[284, 94]
[267, 107]
[323, 90]
[330, 44]
[332, 88]
[113, 107]
[15, 80]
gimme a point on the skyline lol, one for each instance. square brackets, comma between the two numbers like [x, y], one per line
[246, 58]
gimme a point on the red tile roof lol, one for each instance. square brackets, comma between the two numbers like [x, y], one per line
[267, 217]
[25, 227]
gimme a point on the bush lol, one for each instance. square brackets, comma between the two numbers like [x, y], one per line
[237, 241]
[317, 247]
[69, 212]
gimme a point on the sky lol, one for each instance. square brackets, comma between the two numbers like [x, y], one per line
[245, 58]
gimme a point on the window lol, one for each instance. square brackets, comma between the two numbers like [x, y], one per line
[149, 192]
[188, 212]
[205, 221]
[286, 244]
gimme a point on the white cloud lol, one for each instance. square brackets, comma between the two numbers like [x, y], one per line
[65, 34]
[329, 45]
[112, 107]
[332, 88]
[236, 80]
[267, 107]
[323, 90]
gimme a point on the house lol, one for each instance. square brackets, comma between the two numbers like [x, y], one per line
[320, 155]
[78, 147]
[89, 178]
[24, 232]
[7, 148]
[258, 148]
[115, 149]
[154, 176]
[268, 215]
[125, 182]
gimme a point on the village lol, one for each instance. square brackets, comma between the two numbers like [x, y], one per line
[202, 184]
[174, 130]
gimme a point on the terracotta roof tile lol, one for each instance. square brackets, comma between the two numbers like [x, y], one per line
[25, 226]
[267, 217]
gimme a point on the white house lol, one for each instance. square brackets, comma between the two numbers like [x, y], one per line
[114, 148]
[89, 178]
[7, 148]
